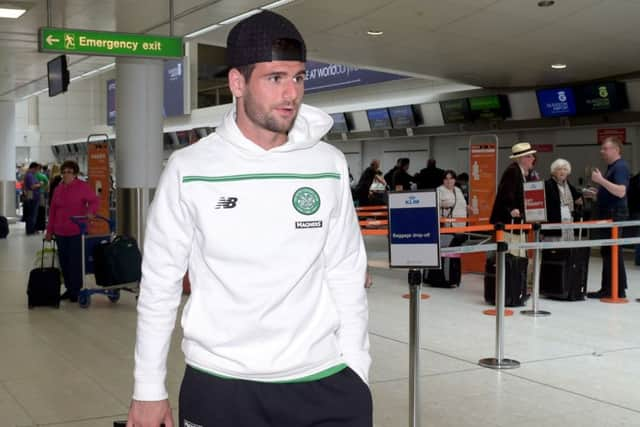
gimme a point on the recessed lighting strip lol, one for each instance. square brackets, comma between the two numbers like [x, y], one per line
[236, 18]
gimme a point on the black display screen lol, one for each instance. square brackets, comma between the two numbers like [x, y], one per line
[490, 107]
[402, 116]
[601, 97]
[455, 111]
[339, 123]
[57, 75]
[379, 118]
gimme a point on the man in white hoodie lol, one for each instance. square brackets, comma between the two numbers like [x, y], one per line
[260, 212]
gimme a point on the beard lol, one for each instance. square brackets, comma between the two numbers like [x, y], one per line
[265, 119]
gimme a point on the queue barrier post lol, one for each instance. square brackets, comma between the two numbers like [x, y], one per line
[614, 299]
[415, 284]
[534, 312]
[499, 362]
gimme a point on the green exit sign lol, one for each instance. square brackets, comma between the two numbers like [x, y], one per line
[87, 42]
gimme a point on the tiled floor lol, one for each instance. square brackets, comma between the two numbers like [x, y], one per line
[72, 367]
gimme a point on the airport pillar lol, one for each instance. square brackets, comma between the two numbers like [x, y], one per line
[7, 158]
[139, 96]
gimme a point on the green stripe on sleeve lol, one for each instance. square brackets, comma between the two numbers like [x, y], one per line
[260, 176]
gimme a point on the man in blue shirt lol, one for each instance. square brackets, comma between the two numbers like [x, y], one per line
[611, 204]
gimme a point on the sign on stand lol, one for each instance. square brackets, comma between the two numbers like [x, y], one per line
[534, 202]
[414, 229]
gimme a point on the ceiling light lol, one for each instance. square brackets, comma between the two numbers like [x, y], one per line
[11, 13]
[240, 17]
[558, 66]
[375, 33]
[546, 3]
[202, 31]
[276, 4]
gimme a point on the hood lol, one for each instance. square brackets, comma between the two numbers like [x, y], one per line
[310, 125]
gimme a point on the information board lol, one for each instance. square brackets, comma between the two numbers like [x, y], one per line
[534, 202]
[414, 229]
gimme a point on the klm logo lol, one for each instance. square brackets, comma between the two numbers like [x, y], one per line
[226, 203]
[412, 200]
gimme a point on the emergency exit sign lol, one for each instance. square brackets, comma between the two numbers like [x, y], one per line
[104, 43]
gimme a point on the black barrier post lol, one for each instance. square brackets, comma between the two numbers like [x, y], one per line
[415, 283]
[537, 259]
[499, 362]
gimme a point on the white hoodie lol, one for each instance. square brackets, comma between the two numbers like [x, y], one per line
[275, 258]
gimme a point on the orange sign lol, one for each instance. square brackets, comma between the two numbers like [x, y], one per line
[482, 179]
[99, 181]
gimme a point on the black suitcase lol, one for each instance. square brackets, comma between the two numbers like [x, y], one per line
[446, 277]
[515, 281]
[44, 285]
[4, 227]
[563, 273]
[117, 262]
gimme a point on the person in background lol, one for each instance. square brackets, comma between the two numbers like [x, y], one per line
[71, 198]
[275, 329]
[388, 177]
[43, 179]
[401, 179]
[56, 178]
[611, 203]
[31, 191]
[562, 200]
[462, 182]
[451, 200]
[509, 202]
[429, 177]
[368, 177]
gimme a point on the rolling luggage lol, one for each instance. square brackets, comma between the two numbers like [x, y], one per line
[564, 272]
[4, 227]
[44, 285]
[446, 277]
[117, 262]
[515, 281]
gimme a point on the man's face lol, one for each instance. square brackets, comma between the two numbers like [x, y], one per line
[526, 162]
[608, 151]
[272, 96]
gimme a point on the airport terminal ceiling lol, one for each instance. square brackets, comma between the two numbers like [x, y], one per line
[491, 43]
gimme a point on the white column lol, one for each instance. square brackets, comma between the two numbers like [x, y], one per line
[139, 96]
[7, 158]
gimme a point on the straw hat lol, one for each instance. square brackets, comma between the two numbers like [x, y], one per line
[520, 149]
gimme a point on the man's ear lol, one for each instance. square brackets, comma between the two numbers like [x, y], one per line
[236, 82]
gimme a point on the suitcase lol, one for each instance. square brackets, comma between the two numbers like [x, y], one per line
[515, 281]
[4, 227]
[563, 273]
[44, 285]
[117, 262]
[446, 277]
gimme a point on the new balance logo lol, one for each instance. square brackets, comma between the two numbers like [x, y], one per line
[226, 203]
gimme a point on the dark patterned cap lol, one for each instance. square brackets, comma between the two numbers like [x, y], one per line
[264, 37]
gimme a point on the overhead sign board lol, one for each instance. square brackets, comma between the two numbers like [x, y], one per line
[556, 102]
[105, 43]
[414, 229]
[321, 76]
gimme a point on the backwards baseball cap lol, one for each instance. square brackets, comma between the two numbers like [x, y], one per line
[264, 37]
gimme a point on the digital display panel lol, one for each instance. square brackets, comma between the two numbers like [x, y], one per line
[556, 102]
[339, 123]
[402, 116]
[455, 111]
[601, 98]
[490, 107]
[379, 119]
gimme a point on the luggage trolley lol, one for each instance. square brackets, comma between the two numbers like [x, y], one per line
[89, 242]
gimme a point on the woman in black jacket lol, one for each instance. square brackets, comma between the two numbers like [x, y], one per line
[562, 200]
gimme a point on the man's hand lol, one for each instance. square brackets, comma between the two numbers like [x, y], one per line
[48, 237]
[596, 176]
[515, 213]
[150, 414]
